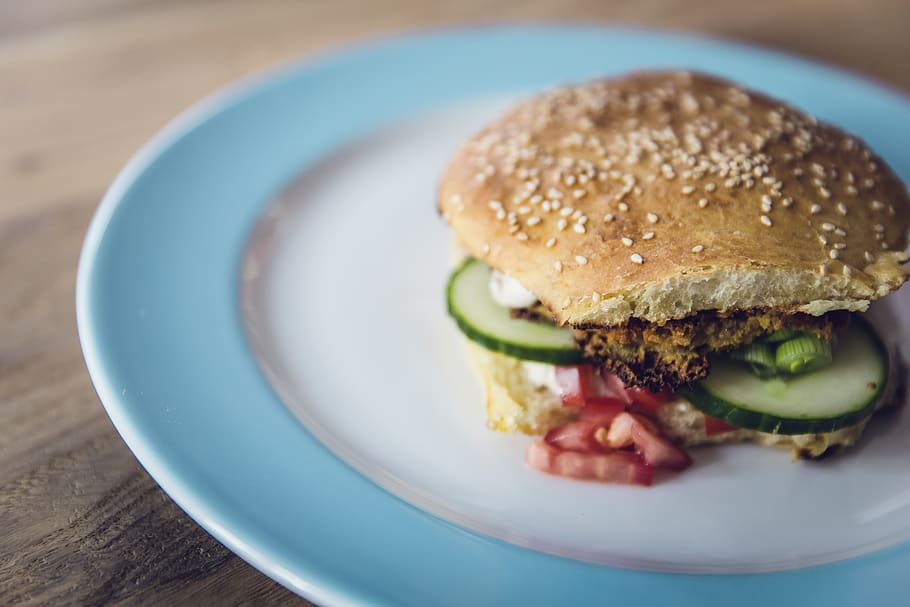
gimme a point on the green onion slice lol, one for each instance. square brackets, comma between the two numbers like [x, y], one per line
[760, 358]
[802, 354]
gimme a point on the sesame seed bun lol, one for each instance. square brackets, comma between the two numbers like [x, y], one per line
[660, 194]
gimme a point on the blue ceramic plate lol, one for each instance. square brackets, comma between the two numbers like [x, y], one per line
[163, 328]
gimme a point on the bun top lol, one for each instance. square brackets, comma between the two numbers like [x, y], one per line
[660, 194]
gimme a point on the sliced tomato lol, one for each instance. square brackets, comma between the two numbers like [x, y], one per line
[574, 384]
[612, 467]
[648, 401]
[656, 449]
[717, 426]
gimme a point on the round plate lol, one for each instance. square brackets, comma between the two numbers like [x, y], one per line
[160, 319]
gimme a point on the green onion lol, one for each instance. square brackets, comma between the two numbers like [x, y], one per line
[803, 354]
[760, 358]
[781, 335]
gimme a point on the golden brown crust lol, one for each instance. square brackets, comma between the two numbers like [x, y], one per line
[797, 214]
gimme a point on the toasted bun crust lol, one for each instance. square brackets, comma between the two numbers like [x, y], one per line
[726, 199]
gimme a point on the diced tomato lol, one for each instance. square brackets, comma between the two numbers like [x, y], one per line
[612, 467]
[601, 411]
[574, 384]
[648, 401]
[607, 385]
[620, 432]
[575, 436]
[657, 450]
[717, 426]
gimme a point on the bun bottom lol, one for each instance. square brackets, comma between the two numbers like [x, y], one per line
[515, 404]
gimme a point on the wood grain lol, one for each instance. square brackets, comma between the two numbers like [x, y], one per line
[82, 84]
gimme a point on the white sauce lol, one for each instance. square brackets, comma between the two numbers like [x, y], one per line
[508, 292]
[541, 375]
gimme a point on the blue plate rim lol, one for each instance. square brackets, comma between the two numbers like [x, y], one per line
[185, 123]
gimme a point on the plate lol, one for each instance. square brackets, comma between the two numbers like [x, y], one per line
[189, 251]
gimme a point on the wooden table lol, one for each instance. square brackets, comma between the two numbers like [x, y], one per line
[82, 84]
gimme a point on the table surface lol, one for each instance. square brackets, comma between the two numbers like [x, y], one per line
[83, 83]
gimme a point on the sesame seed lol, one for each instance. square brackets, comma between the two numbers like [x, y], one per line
[840, 246]
[822, 239]
[815, 209]
[833, 254]
[877, 205]
[581, 259]
[579, 228]
[551, 243]
[636, 258]
[455, 198]
[486, 248]
[766, 220]
[652, 218]
[500, 214]
[851, 189]
[623, 206]
[562, 224]
[825, 192]
[766, 203]
[841, 208]
[546, 206]
[558, 266]
[787, 202]
[609, 217]
[533, 220]
[494, 205]
[576, 215]
[840, 232]
[688, 189]
[536, 199]
[702, 203]
[828, 227]
[583, 219]
[878, 227]
[524, 210]
[626, 241]
[521, 236]
[512, 217]
[823, 269]
[647, 236]
[579, 193]
[595, 297]
[698, 248]
[566, 211]
[869, 256]
[848, 271]
[569, 180]
[711, 187]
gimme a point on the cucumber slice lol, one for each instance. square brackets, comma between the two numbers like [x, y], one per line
[837, 396]
[485, 322]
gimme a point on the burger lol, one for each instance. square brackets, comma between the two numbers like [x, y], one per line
[665, 260]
